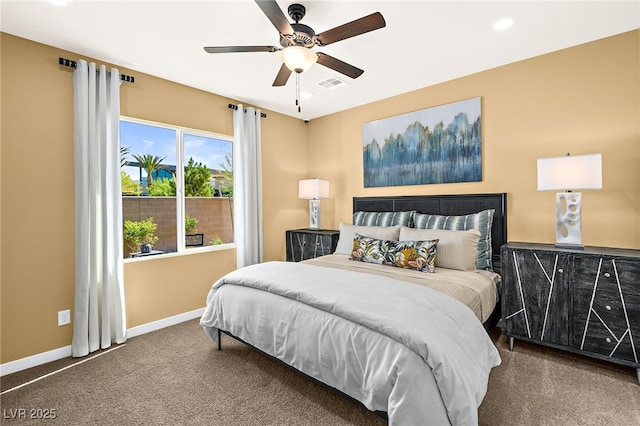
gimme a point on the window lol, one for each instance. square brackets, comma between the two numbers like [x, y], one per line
[170, 176]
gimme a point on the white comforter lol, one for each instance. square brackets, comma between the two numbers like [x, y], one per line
[476, 289]
[413, 352]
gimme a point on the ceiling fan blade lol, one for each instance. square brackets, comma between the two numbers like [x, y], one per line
[338, 65]
[282, 77]
[275, 15]
[350, 29]
[232, 49]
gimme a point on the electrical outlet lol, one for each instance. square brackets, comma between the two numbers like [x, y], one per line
[64, 317]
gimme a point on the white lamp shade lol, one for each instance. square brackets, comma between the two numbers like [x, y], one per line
[313, 189]
[570, 172]
[298, 58]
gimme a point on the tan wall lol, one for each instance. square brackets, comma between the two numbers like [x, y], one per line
[581, 100]
[37, 169]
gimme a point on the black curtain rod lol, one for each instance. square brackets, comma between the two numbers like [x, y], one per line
[73, 64]
[235, 107]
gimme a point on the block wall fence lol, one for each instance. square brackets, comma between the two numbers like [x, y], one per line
[214, 214]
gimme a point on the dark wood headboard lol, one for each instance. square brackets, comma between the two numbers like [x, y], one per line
[450, 205]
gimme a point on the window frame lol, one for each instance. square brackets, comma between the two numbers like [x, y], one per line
[180, 131]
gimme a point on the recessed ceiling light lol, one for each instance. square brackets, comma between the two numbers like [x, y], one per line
[306, 95]
[59, 2]
[503, 23]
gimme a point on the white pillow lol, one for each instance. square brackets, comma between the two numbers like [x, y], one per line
[345, 241]
[456, 249]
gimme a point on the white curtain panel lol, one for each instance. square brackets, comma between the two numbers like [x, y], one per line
[99, 311]
[248, 185]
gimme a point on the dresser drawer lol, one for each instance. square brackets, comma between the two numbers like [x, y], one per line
[601, 340]
[606, 298]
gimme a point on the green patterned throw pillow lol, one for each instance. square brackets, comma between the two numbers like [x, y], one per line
[418, 255]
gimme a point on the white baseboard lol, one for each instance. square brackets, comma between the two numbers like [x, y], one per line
[163, 323]
[34, 360]
[65, 352]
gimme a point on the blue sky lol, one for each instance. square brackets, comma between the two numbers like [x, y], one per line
[147, 139]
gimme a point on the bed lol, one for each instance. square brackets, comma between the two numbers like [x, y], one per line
[388, 338]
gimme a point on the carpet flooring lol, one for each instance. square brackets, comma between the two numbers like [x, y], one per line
[176, 376]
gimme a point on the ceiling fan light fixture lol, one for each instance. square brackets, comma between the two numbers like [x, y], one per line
[297, 58]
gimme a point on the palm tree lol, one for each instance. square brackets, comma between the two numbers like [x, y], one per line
[149, 163]
[124, 151]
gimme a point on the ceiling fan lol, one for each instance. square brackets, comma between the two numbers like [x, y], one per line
[297, 40]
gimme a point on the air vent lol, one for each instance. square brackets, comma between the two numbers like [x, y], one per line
[332, 83]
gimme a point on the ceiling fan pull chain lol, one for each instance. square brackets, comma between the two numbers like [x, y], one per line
[298, 91]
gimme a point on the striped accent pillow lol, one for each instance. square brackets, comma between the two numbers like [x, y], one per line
[481, 221]
[384, 218]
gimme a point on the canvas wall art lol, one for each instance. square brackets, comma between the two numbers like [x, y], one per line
[442, 144]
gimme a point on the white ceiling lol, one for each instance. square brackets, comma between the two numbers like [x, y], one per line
[423, 43]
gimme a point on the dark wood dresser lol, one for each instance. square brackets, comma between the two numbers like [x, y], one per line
[583, 301]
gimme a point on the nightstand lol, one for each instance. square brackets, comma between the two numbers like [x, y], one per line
[583, 301]
[307, 243]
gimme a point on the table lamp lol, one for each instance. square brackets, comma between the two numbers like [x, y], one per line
[569, 172]
[313, 190]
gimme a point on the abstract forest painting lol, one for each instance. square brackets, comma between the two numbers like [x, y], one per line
[442, 144]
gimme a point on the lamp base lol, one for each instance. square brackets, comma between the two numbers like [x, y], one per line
[314, 214]
[569, 220]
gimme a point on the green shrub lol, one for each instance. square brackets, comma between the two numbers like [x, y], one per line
[163, 187]
[217, 240]
[129, 187]
[190, 224]
[137, 233]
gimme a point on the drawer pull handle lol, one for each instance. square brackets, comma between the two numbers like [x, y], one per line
[606, 274]
[560, 270]
[608, 308]
[608, 340]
